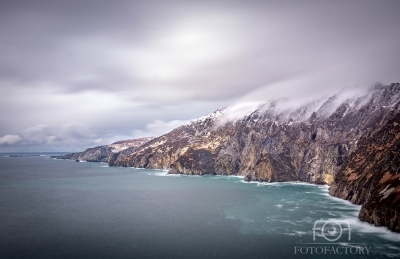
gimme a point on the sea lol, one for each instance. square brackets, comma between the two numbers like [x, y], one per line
[51, 208]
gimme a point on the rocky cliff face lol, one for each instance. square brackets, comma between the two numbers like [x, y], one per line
[106, 153]
[274, 143]
[371, 175]
[350, 142]
[188, 149]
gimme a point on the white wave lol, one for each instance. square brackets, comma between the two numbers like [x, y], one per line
[300, 233]
[161, 174]
[280, 184]
[364, 227]
[305, 220]
[291, 222]
[297, 183]
[393, 247]
[250, 182]
[165, 173]
[278, 205]
[222, 177]
[229, 176]
[273, 184]
[260, 184]
[162, 170]
[336, 199]
[391, 255]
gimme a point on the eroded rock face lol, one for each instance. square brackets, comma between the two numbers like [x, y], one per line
[274, 143]
[189, 149]
[106, 153]
[371, 176]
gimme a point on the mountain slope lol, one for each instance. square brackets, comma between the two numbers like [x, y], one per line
[349, 141]
[274, 143]
[106, 153]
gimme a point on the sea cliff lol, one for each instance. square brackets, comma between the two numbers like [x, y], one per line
[106, 153]
[349, 141]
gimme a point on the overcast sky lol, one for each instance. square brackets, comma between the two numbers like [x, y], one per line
[76, 74]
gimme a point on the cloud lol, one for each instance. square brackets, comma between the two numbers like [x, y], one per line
[10, 140]
[76, 136]
[287, 98]
[50, 137]
[158, 128]
[240, 109]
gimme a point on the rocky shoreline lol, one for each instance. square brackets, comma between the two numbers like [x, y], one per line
[350, 142]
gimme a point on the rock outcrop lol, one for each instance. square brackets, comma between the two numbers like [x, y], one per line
[106, 153]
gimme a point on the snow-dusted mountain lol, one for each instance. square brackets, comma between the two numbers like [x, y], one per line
[276, 142]
[335, 141]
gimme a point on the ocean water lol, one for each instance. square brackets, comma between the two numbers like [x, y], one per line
[63, 209]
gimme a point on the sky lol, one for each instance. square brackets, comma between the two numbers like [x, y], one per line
[77, 74]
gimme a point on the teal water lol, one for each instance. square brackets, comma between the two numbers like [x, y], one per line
[63, 209]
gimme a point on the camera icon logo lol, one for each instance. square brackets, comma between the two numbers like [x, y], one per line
[331, 229]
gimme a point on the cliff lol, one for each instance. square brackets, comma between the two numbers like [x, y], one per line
[276, 142]
[371, 176]
[106, 153]
[349, 141]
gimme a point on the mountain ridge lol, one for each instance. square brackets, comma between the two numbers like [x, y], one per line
[106, 153]
[316, 142]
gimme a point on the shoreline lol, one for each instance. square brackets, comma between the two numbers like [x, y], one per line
[167, 173]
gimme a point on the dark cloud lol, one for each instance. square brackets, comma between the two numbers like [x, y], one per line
[130, 68]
